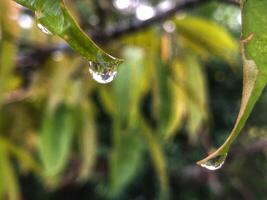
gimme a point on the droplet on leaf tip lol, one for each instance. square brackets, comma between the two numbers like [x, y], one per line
[39, 15]
[214, 163]
[103, 72]
[43, 29]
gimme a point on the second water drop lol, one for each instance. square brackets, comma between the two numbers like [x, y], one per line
[103, 72]
[43, 29]
[215, 163]
[38, 16]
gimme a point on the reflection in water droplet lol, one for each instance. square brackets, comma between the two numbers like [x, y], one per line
[215, 163]
[103, 72]
[43, 29]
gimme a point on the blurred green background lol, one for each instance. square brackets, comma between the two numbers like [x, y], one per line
[175, 98]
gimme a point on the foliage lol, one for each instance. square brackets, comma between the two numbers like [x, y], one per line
[253, 52]
[54, 17]
[130, 138]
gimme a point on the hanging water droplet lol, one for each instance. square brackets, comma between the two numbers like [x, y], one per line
[103, 72]
[43, 29]
[214, 163]
[38, 16]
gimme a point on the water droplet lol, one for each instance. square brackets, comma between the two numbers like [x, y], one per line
[38, 16]
[43, 29]
[103, 72]
[215, 163]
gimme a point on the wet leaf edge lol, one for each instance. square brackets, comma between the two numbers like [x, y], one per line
[253, 85]
[74, 35]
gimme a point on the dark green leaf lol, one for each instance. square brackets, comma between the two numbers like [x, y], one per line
[54, 16]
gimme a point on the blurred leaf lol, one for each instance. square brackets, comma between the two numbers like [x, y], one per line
[163, 96]
[126, 157]
[253, 51]
[130, 85]
[88, 143]
[107, 99]
[7, 79]
[126, 160]
[196, 82]
[179, 98]
[53, 15]
[8, 185]
[61, 86]
[2, 171]
[198, 49]
[188, 95]
[25, 158]
[7, 50]
[204, 35]
[56, 137]
[158, 159]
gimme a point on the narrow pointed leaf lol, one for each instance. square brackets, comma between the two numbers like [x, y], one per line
[128, 149]
[54, 16]
[9, 188]
[158, 159]
[179, 99]
[197, 112]
[253, 50]
[204, 36]
[88, 143]
[125, 160]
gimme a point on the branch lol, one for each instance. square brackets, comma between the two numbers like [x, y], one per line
[137, 25]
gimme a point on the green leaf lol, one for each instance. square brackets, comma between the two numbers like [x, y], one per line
[7, 50]
[130, 85]
[126, 160]
[88, 143]
[188, 90]
[158, 159]
[179, 98]
[253, 50]
[9, 188]
[23, 156]
[127, 153]
[197, 112]
[56, 137]
[163, 104]
[203, 35]
[54, 16]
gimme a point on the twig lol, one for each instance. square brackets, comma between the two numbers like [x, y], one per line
[137, 25]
